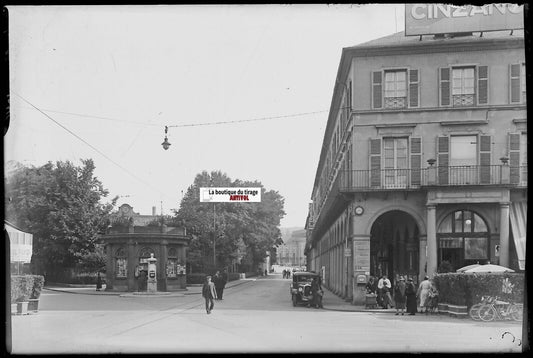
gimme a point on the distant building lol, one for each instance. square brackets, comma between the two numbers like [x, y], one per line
[291, 252]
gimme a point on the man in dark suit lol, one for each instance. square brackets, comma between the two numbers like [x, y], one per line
[209, 293]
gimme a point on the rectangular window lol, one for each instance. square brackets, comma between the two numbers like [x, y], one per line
[171, 268]
[395, 162]
[463, 160]
[395, 89]
[122, 268]
[476, 248]
[463, 86]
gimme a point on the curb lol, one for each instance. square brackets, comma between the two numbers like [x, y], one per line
[125, 294]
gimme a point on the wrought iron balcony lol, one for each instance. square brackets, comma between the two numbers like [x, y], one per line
[391, 179]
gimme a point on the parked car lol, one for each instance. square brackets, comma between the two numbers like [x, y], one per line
[300, 288]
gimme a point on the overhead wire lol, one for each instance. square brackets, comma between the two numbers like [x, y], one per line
[189, 124]
[87, 143]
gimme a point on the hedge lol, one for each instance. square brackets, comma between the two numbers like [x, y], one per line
[25, 287]
[86, 278]
[467, 289]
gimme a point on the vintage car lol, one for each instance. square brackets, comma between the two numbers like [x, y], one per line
[301, 288]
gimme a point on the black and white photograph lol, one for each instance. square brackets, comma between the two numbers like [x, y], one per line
[266, 178]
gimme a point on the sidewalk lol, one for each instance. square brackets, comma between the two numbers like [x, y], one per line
[332, 302]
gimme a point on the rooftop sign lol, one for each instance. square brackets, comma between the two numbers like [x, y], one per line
[430, 19]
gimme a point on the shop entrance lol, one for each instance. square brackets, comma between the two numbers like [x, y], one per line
[394, 246]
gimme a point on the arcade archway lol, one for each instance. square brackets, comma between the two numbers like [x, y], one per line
[394, 246]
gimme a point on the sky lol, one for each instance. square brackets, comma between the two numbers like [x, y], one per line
[102, 82]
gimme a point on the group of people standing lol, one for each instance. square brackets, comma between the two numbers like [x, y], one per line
[405, 294]
[213, 289]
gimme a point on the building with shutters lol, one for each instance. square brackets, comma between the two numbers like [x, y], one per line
[424, 160]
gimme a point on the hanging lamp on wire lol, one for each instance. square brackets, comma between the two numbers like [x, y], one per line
[166, 144]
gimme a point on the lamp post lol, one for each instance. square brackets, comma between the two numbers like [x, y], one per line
[214, 239]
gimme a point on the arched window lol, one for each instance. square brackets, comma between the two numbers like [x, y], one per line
[463, 239]
[121, 263]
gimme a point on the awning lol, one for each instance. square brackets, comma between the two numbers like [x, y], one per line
[21, 243]
[518, 216]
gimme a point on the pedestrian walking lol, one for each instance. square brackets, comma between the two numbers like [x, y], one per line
[284, 273]
[288, 273]
[266, 272]
[217, 280]
[399, 295]
[223, 281]
[209, 293]
[316, 292]
[423, 294]
[410, 297]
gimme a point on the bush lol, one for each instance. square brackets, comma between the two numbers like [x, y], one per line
[467, 289]
[25, 287]
[195, 278]
[86, 278]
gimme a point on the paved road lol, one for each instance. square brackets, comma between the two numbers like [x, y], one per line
[255, 316]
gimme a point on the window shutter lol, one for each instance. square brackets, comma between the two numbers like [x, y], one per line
[375, 162]
[377, 88]
[483, 84]
[514, 83]
[514, 157]
[485, 142]
[443, 156]
[414, 92]
[444, 86]
[416, 160]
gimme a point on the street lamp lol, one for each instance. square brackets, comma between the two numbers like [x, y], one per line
[166, 144]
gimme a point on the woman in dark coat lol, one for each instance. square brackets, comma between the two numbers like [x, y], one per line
[410, 294]
[399, 295]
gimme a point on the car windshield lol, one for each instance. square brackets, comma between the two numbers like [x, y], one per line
[305, 278]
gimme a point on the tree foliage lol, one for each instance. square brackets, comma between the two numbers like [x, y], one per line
[60, 205]
[243, 231]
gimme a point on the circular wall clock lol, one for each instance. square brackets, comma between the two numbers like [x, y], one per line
[359, 210]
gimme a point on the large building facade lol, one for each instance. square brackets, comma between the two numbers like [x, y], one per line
[424, 160]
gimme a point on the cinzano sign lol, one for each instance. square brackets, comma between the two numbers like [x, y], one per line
[429, 19]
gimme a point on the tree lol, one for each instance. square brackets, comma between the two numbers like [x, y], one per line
[240, 230]
[60, 205]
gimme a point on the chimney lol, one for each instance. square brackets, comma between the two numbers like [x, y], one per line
[153, 211]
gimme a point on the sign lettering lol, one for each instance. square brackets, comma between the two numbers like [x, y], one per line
[427, 19]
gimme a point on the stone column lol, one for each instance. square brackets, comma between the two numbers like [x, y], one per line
[110, 271]
[131, 266]
[431, 240]
[361, 265]
[162, 286]
[422, 257]
[504, 234]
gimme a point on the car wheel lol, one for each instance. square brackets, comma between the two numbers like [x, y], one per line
[293, 301]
